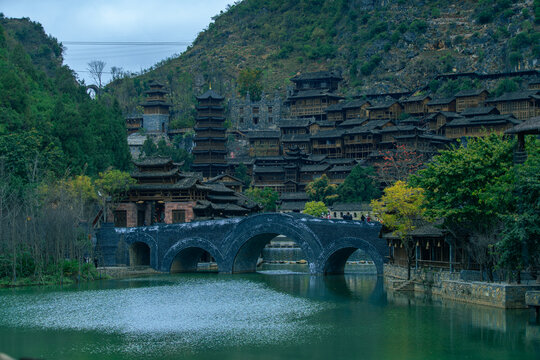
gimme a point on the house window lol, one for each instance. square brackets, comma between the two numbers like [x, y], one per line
[178, 216]
[255, 120]
[120, 218]
[269, 109]
[270, 120]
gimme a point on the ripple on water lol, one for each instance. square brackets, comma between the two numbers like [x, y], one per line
[189, 313]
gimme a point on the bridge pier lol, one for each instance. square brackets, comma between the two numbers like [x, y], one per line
[107, 245]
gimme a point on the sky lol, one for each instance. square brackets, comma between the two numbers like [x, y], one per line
[120, 21]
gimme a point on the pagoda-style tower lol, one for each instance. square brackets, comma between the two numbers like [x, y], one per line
[156, 110]
[210, 137]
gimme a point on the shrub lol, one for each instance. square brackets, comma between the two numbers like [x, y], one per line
[418, 26]
[368, 67]
[485, 16]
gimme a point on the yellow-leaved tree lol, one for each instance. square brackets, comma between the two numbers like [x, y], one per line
[400, 209]
[315, 208]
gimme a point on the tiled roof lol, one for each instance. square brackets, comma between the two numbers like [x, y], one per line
[313, 93]
[335, 107]
[153, 174]
[328, 134]
[294, 196]
[471, 92]
[316, 157]
[484, 120]
[210, 94]
[293, 205]
[153, 161]
[326, 123]
[383, 105]
[182, 184]
[268, 169]
[317, 75]
[219, 177]
[352, 122]
[314, 168]
[340, 161]
[416, 98]
[531, 126]
[295, 138]
[355, 104]
[398, 128]
[342, 168]
[514, 96]
[156, 102]
[441, 101]
[479, 110]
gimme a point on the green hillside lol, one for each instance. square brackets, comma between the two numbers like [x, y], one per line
[379, 45]
[48, 124]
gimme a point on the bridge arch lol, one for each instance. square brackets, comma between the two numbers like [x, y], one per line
[183, 256]
[250, 236]
[142, 249]
[334, 258]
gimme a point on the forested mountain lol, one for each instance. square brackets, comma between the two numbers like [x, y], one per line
[379, 45]
[48, 123]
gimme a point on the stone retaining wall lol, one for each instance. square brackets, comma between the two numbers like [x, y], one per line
[451, 286]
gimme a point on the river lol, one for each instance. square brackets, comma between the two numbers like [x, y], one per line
[270, 315]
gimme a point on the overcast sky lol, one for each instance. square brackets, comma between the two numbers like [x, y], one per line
[120, 21]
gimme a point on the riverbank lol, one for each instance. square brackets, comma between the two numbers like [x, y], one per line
[101, 273]
[457, 286]
[122, 272]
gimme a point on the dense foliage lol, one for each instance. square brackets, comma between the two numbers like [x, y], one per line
[489, 205]
[315, 208]
[400, 210]
[266, 197]
[321, 189]
[52, 136]
[48, 124]
[359, 186]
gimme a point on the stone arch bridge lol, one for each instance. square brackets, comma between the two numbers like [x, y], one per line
[236, 243]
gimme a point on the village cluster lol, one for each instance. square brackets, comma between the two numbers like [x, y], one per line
[287, 144]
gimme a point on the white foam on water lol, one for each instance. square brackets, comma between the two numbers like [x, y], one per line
[189, 314]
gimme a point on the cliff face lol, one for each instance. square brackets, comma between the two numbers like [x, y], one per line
[379, 45]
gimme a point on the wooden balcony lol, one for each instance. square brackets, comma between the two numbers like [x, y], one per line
[327, 146]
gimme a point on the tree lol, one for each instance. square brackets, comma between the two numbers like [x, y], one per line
[95, 67]
[164, 149]
[359, 185]
[400, 209]
[241, 173]
[315, 208]
[470, 187]
[112, 185]
[520, 243]
[267, 197]
[249, 80]
[320, 189]
[117, 73]
[398, 164]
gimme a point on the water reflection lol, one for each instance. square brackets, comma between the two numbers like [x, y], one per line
[275, 314]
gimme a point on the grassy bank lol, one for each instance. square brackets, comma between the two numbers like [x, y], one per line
[66, 272]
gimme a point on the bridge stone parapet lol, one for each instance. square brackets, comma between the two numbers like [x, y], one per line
[236, 243]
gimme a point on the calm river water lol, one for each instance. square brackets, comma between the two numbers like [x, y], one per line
[272, 315]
